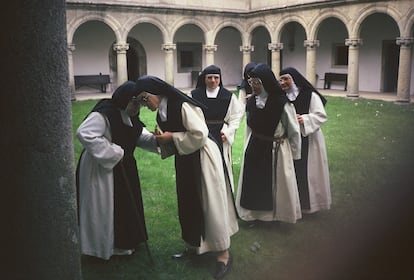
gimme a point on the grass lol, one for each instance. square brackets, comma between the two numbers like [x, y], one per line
[367, 234]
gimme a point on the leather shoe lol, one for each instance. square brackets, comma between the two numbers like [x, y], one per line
[222, 269]
[184, 254]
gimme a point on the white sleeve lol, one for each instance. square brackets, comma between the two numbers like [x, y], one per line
[94, 136]
[232, 119]
[316, 116]
[196, 132]
[147, 141]
[292, 130]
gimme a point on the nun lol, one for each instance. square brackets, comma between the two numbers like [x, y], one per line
[110, 208]
[312, 170]
[223, 112]
[267, 184]
[205, 203]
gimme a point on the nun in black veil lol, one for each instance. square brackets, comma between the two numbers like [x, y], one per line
[205, 204]
[106, 171]
[312, 171]
[245, 90]
[223, 115]
[267, 184]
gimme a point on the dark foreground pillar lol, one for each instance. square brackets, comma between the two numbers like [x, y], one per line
[39, 228]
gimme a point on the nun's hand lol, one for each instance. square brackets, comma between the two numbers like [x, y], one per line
[223, 137]
[164, 138]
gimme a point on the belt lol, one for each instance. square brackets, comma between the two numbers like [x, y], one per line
[278, 140]
[215, 122]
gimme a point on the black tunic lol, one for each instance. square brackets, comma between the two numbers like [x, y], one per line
[188, 180]
[257, 170]
[302, 104]
[215, 112]
[129, 230]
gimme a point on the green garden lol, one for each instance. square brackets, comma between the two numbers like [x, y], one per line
[366, 234]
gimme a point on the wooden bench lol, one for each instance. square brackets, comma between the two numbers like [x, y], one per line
[335, 77]
[92, 80]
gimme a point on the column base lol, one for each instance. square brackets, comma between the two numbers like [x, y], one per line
[353, 95]
[402, 101]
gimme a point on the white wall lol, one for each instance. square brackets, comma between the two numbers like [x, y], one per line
[92, 40]
[151, 39]
[295, 57]
[260, 41]
[228, 56]
[192, 34]
[331, 32]
[374, 30]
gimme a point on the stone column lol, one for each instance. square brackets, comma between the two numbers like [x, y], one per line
[311, 46]
[121, 62]
[247, 50]
[275, 48]
[353, 66]
[404, 70]
[40, 235]
[169, 62]
[72, 89]
[210, 49]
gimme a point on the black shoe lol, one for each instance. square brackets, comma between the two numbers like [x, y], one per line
[222, 269]
[184, 254]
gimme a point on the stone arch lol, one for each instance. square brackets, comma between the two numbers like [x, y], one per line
[140, 47]
[189, 20]
[292, 32]
[92, 52]
[318, 20]
[261, 51]
[252, 27]
[134, 21]
[189, 39]
[136, 59]
[228, 55]
[284, 21]
[384, 69]
[222, 25]
[375, 9]
[409, 24]
[74, 24]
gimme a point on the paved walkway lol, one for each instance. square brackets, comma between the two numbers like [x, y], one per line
[391, 97]
[386, 96]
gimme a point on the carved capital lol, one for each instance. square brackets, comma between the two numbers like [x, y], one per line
[210, 48]
[311, 44]
[275, 46]
[246, 49]
[353, 42]
[168, 47]
[121, 47]
[406, 42]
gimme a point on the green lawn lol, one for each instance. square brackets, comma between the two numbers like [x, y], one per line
[368, 233]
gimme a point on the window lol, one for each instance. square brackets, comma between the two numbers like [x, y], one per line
[340, 55]
[188, 57]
